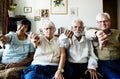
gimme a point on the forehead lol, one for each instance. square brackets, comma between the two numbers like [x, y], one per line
[23, 25]
[101, 18]
[77, 23]
[49, 26]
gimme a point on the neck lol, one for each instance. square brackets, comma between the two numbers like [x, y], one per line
[78, 38]
[21, 36]
[49, 38]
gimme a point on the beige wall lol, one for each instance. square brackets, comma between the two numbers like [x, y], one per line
[87, 10]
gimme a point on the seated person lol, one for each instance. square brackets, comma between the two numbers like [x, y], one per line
[109, 55]
[18, 51]
[80, 53]
[49, 58]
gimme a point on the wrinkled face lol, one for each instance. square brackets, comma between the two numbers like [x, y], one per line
[49, 31]
[104, 23]
[77, 26]
[22, 28]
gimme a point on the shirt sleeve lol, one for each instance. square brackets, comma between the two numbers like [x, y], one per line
[63, 41]
[10, 35]
[90, 33]
[92, 62]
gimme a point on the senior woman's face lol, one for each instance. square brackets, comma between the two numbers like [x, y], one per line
[22, 28]
[49, 31]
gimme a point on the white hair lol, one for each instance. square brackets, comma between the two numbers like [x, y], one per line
[78, 20]
[50, 23]
[102, 14]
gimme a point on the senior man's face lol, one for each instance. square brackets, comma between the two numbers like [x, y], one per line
[77, 28]
[104, 23]
[49, 31]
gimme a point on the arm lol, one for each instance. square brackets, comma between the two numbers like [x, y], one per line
[34, 39]
[61, 65]
[3, 40]
[62, 58]
[25, 62]
[94, 34]
[92, 64]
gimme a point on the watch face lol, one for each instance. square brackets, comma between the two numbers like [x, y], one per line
[61, 70]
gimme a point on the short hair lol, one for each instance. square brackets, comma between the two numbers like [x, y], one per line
[50, 23]
[78, 20]
[102, 14]
[25, 22]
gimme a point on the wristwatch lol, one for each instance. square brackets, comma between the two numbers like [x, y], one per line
[61, 70]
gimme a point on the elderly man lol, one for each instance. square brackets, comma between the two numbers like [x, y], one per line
[109, 56]
[80, 53]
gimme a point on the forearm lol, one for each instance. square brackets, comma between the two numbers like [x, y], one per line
[27, 61]
[91, 33]
[62, 59]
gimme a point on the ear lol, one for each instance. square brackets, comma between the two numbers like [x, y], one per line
[54, 30]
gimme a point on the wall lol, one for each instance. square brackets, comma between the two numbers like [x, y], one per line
[87, 10]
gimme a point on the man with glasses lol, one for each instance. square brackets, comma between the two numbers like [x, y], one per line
[109, 55]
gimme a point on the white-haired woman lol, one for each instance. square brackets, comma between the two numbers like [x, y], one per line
[49, 58]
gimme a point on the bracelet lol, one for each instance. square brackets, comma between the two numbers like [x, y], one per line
[61, 70]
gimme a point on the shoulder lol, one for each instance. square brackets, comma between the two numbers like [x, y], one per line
[115, 30]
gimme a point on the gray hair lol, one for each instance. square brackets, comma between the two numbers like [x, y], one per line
[102, 14]
[50, 23]
[78, 20]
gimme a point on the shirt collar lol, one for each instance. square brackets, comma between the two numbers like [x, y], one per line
[81, 40]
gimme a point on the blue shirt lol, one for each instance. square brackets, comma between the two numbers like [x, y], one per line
[16, 50]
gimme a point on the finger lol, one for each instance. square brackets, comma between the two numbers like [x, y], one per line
[71, 34]
[6, 66]
[66, 32]
[53, 77]
[96, 77]
[86, 72]
[99, 74]
[101, 46]
[30, 35]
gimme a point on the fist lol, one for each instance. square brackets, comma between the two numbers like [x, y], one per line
[68, 33]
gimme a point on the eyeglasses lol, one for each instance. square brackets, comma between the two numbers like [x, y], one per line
[104, 21]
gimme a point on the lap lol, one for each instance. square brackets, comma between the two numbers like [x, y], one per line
[11, 73]
[111, 67]
[39, 72]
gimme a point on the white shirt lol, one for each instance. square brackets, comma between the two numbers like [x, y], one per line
[79, 51]
[47, 52]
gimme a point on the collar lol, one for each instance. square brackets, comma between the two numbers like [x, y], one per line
[81, 40]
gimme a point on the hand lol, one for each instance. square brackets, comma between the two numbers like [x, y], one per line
[69, 34]
[34, 39]
[58, 75]
[102, 38]
[3, 40]
[11, 65]
[93, 73]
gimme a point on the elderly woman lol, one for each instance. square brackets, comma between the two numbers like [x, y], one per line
[49, 58]
[18, 50]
